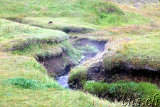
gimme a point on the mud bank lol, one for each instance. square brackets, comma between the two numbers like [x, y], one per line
[123, 73]
[56, 65]
[97, 71]
[86, 53]
[59, 66]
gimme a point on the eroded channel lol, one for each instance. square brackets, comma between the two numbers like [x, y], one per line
[89, 49]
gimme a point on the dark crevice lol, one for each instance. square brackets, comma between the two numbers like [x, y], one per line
[59, 69]
[123, 73]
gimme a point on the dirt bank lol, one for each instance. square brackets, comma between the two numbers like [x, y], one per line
[123, 73]
[59, 66]
[55, 65]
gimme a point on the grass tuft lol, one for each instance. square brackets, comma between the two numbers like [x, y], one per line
[25, 83]
[78, 77]
[29, 83]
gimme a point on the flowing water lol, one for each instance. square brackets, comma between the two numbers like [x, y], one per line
[100, 46]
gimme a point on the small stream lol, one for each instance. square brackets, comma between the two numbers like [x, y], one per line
[99, 46]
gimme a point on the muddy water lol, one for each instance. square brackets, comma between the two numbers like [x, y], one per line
[99, 46]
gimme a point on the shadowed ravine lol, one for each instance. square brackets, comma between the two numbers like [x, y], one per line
[100, 46]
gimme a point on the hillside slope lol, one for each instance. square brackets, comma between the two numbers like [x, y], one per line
[46, 29]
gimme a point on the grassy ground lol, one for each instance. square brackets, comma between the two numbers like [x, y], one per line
[133, 45]
[78, 12]
[23, 80]
[30, 86]
[22, 75]
[126, 90]
[15, 35]
[25, 32]
[141, 50]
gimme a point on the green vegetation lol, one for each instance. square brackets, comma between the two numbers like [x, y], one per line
[78, 76]
[141, 51]
[66, 24]
[19, 78]
[74, 54]
[21, 75]
[43, 50]
[85, 14]
[17, 36]
[30, 84]
[133, 45]
[30, 29]
[123, 90]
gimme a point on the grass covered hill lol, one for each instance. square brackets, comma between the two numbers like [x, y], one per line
[45, 28]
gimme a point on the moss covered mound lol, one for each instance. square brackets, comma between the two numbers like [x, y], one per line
[148, 94]
[17, 36]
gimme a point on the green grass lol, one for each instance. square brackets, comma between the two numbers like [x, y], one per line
[23, 81]
[24, 30]
[141, 51]
[66, 24]
[122, 20]
[28, 85]
[83, 13]
[78, 76]
[16, 36]
[123, 90]
[73, 53]
[148, 46]
[41, 50]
